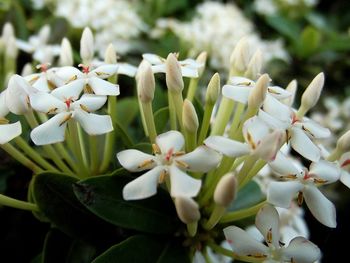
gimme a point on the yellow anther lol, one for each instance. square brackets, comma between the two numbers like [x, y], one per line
[52, 111]
[273, 91]
[269, 236]
[319, 181]
[246, 83]
[72, 78]
[155, 149]
[84, 108]
[66, 118]
[300, 198]
[145, 163]
[257, 255]
[32, 80]
[250, 140]
[162, 176]
[88, 89]
[51, 85]
[4, 120]
[180, 153]
[289, 176]
[182, 164]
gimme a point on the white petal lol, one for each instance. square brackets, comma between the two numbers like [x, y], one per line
[45, 102]
[126, 69]
[272, 121]
[242, 243]
[268, 222]
[93, 124]
[314, 129]
[278, 92]
[103, 87]
[182, 184]
[68, 73]
[282, 193]
[143, 186]
[41, 84]
[17, 94]
[202, 159]
[227, 146]
[158, 68]
[237, 93]
[301, 250]
[283, 165]
[136, 161]
[71, 90]
[241, 81]
[254, 130]
[90, 101]
[277, 109]
[325, 170]
[51, 131]
[153, 59]
[321, 208]
[3, 107]
[190, 63]
[302, 144]
[171, 140]
[9, 131]
[104, 71]
[25, 46]
[189, 72]
[345, 178]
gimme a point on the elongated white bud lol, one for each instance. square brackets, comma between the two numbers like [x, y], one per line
[269, 146]
[27, 70]
[173, 74]
[187, 210]
[225, 191]
[213, 89]
[111, 54]
[66, 54]
[240, 57]
[7, 32]
[255, 65]
[11, 50]
[44, 34]
[87, 46]
[146, 83]
[189, 117]
[311, 94]
[343, 143]
[257, 95]
[202, 59]
[292, 88]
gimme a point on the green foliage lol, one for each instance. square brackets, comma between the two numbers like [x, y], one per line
[127, 110]
[102, 195]
[161, 119]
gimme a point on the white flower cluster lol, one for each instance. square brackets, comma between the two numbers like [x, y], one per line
[217, 28]
[271, 7]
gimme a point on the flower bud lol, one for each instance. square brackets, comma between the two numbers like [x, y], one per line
[343, 143]
[255, 65]
[44, 34]
[269, 146]
[189, 117]
[87, 46]
[187, 210]
[111, 55]
[292, 88]
[173, 74]
[240, 57]
[225, 191]
[27, 70]
[66, 54]
[11, 50]
[311, 94]
[146, 83]
[213, 89]
[257, 95]
[202, 59]
[7, 32]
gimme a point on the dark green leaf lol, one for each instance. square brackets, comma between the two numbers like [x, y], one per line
[309, 42]
[174, 253]
[143, 147]
[161, 118]
[284, 26]
[121, 132]
[199, 106]
[248, 196]
[54, 196]
[127, 109]
[103, 196]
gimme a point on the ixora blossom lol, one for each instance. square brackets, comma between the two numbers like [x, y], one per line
[66, 105]
[168, 160]
[189, 67]
[268, 223]
[8, 131]
[304, 182]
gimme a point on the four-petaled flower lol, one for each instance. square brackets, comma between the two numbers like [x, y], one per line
[168, 161]
[267, 221]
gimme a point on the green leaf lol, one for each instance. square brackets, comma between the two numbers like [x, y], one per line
[199, 109]
[144, 249]
[120, 130]
[127, 110]
[102, 195]
[284, 26]
[248, 196]
[161, 118]
[53, 193]
[309, 42]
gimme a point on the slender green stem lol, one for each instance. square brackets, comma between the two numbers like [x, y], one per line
[236, 119]
[191, 141]
[192, 228]
[206, 256]
[223, 116]
[243, 213]
[192, 88]
[12, 202]
[62, 151]
[149, 119]
[247, 166]
[215, 216]
[238, 135]
[256, 168]
[23, 145]
[94, 154]
[220, 250]
[208, 109]
[144, 125]
[82, 144]
[172, 112]
[178, 105]
[17, 155]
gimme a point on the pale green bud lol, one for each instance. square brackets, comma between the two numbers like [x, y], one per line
[87, 46]
[202, 59]
[226, 189]
[213, 89]
[240, 57]
[189, 117]
[173, 74]
[187, 210]
[146, 83]
[257, 95]
[255, 65]
[66, 54]
[311, 94]
[111, 54]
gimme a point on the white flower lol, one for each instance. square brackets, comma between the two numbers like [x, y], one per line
[39, 47]
[122, 67]
[305, 183]
[267, 221]
[66, 106]
[258, 141]
[299, 131]
[344, 164]
[170, 161]
[91, 81]
[8, 131]
[189, 67]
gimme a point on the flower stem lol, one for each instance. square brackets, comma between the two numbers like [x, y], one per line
[247, 166]
[223, 116]
[215, 216]
[192, 88]
[208, 109]
[172, 112]
[149, 119]
[7, 147]
[94, 154]
[178, 105]
[12, 202]
[192, 228]
[191, 141]
[236, 119]
[241, 214]
[256, 168]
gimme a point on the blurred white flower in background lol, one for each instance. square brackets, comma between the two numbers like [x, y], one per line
[271, 7]
[217, 28]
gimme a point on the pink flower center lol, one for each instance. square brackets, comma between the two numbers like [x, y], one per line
[85, 69]
[169, 154]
